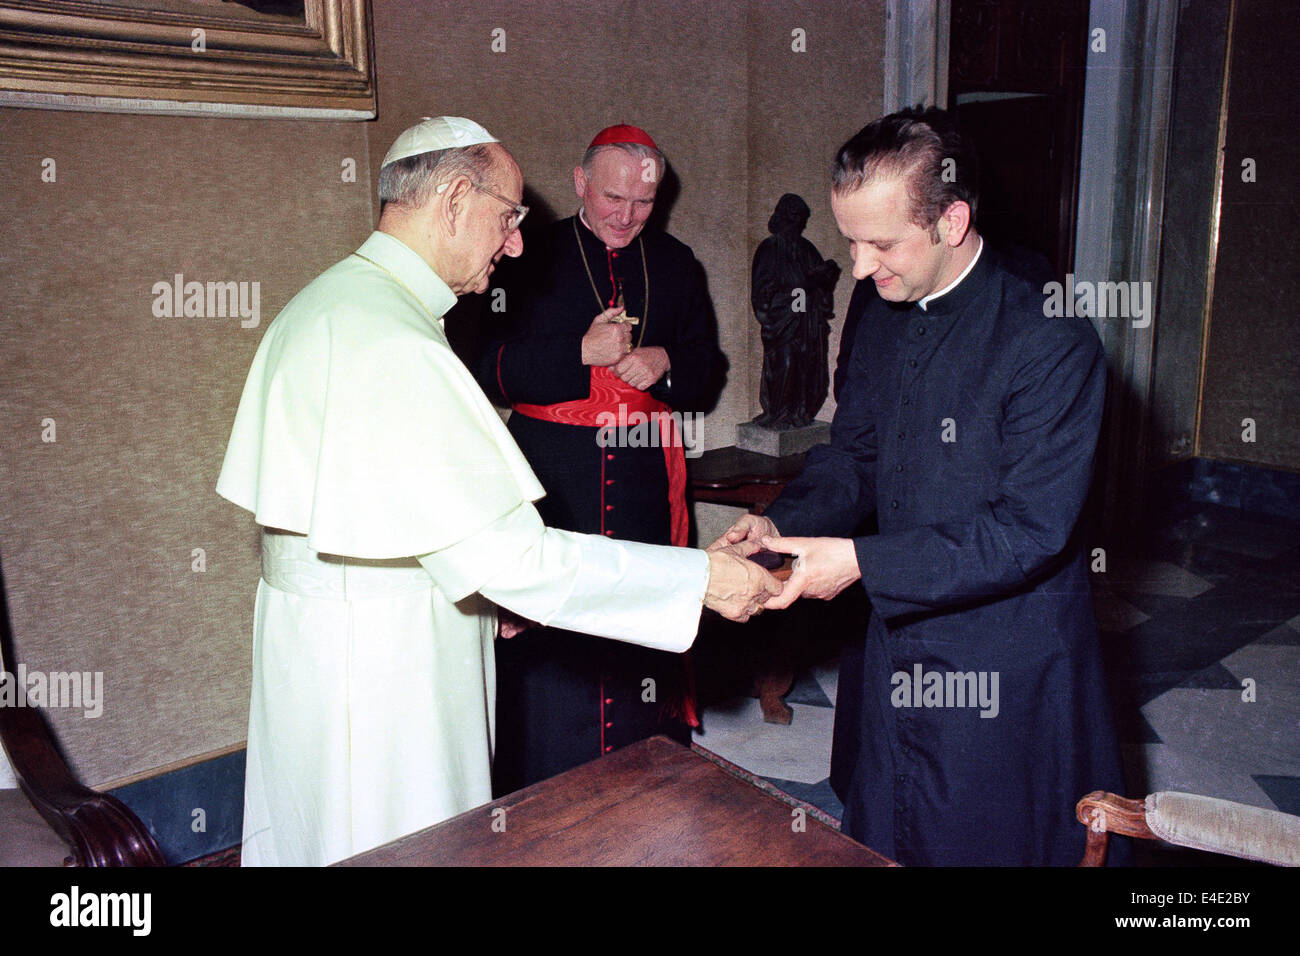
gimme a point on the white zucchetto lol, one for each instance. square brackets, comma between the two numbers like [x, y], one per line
[435, 133]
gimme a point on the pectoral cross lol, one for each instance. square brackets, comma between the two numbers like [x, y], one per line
[618, 303]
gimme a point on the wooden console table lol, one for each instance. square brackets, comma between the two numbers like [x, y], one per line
[746, 479]
[730, 476]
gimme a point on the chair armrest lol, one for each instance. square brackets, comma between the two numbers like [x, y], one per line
[1222, 826]
[1105, 813]
[99, 828]
[1191, 820]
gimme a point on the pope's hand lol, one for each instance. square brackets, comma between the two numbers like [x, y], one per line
[642, 367]
[823, 567]
[737, 586]
[744, 536]
[606, 341]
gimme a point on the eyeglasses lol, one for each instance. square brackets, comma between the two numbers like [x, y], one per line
[510, 222]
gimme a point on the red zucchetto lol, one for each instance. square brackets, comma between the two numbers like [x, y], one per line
[622, 133]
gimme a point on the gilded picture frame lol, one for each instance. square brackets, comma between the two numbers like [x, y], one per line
[195, 58]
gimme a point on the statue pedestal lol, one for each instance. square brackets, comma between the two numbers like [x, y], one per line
[779, 442]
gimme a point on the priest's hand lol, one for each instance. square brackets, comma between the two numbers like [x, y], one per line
[823, 567]
[642, 367]
[737, 586]
[606, 341]
[744, 536]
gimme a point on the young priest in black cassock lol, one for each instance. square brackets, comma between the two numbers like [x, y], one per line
[973, 714]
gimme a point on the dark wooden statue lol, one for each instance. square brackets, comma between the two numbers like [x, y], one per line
[792, 293]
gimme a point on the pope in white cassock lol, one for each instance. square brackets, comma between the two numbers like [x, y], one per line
[397, 512]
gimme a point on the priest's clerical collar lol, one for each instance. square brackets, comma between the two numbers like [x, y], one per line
[410, 270]
[957, 281]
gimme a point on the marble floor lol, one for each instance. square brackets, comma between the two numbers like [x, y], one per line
[1200, 627]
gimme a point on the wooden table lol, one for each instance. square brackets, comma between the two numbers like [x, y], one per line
[654, 803]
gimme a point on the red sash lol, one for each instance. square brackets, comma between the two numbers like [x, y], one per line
[608, 393]
[611, 402]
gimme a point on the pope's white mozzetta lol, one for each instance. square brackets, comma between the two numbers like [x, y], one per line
[399, 509]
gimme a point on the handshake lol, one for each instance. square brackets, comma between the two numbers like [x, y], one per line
[739, 588]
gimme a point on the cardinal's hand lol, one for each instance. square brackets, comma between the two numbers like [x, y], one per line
[606, 341]
[642, 367]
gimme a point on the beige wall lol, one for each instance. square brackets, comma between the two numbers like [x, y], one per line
[97, 528]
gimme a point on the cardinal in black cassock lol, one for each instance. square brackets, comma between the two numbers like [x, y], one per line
[563, 698]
